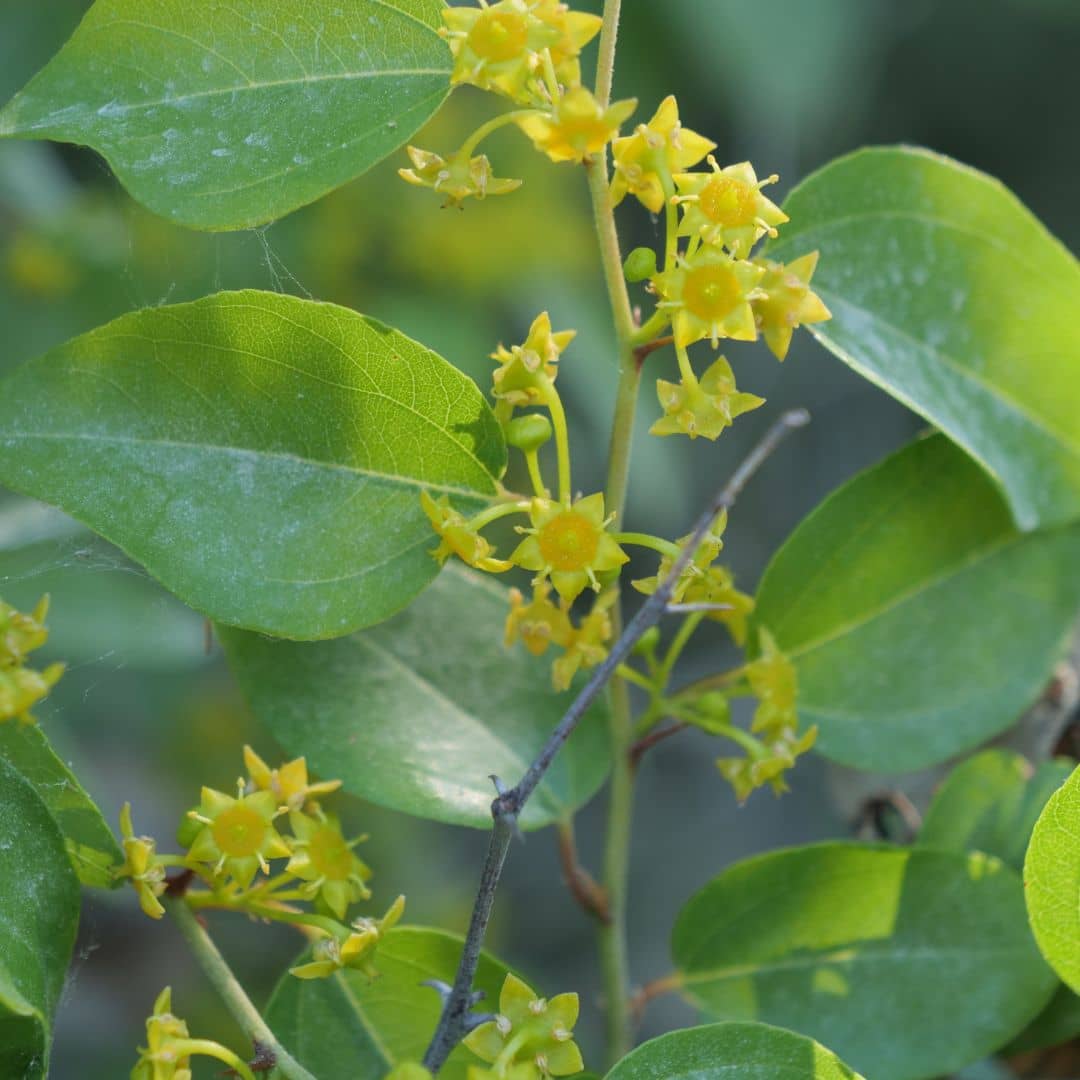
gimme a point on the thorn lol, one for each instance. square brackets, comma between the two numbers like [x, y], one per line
[444, 990]
[472, 1021]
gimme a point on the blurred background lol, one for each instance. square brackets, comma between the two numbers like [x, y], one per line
[146, 714]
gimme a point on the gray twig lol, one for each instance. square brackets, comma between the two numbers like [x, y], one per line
[455, 1021]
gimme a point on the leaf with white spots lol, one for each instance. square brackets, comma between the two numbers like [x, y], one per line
[228, 115]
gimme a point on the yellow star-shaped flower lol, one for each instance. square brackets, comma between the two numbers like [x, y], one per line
[788, 302]
[705, 407]
[577, 127]
[459, 178]
[458, 537]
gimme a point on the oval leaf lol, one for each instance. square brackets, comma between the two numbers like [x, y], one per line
[990, 803]
[262, 456]
[881, 598]
[951, 296]
[722, 1051]
[1052, 880]
[90, 843]
[417, 715]
[39, 898]
[227, 116]
[350, 1025]
[861, 946]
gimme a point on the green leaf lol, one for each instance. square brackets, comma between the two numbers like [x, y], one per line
[909, 963]
[417, 714]
[951, 296]
[920, 621]
[350, 1025]
[990, 803]
[89, 841]
[229, 116]
[1052, 881]
[721, 1051]
[1057, 1023]
[262, 456]
[39, 898]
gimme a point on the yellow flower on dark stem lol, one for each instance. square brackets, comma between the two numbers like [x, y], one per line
[165, 1056]
[354, 949]
[646, 161]
[324, 859]
[717, 586]
[726, 207]
[238, 835]
[531, 1031]
[569, 544]
[787, 302]
[459, 178]
[524, 370]
[288, 783]
[705, 407]
[577, 126]
[539, 623]
[458, 538]
[141, 865]
[708, 295]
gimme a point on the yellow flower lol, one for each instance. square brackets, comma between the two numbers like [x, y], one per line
[458, 537]
[576, 29]
[22, 687]
[529, 1030]
[288, 783]
[166, 1056]
[497, 46]
[704, 407]
[238, 834]
[774, 683]
[787, 302]
[355, 950]
[717, 586]
[539, 623]
[726, 207]
[706, 554]
[587, 644]
[709, 295]
[768, 765]
[324, 858]
[569, 544]
[141, 865]
[458, 179]
[646, 160]
[577, 125]
[525, 370]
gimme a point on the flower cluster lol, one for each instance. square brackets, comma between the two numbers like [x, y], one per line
[22, 687]
[232, 840]
[527, 51]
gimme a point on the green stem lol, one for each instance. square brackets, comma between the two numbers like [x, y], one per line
[649, 331]
[484, 130]
[499, 510]
[229, 990]
[206, 1048]
[665, 547]
[562, 440]
[532, 461]
[685, 370]
[613, 941]
[690, 624]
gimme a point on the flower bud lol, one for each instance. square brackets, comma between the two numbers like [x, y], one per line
[640, 264]
[529, 432]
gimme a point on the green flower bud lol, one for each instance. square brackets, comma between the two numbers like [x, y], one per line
[640, 264]
[529, 432]
[187, 830]
[646, 644]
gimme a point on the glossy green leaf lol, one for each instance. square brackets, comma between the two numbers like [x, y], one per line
[1052, 881]
[990, 803]
[722, 1051]
[39, 899]
[227, 116]
[417, 714]
[907, 962]
[262, 456]
[920, 620]
[90, 843]
[951, 296]
[350, 1025]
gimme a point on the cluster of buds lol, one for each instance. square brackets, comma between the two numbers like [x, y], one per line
[527, 51]
[709, 287]
[231, 843]
[22, 687]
